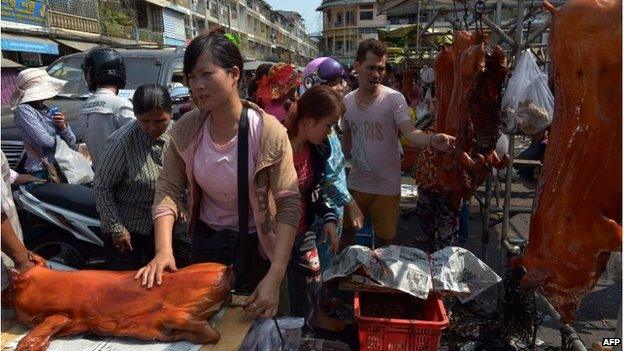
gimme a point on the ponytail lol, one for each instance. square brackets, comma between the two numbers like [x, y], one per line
[291, 122]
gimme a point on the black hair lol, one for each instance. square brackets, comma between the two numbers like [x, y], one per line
[261, 71]
[149, 97]
[220, 49]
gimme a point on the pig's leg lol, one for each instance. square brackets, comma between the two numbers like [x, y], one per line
[39, 337]
[187, 327]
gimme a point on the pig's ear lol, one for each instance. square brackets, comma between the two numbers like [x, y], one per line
[36, 259]
[16, 278]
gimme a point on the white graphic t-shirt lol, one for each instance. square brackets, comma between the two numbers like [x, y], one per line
[375, 159]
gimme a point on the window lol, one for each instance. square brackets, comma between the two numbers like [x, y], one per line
[213, 9]
[367, 30]
[157, 19]
[142, 13]
[349, 46]
[350, 18]
[139, 70]
[339, 17]
[234, 9]
[176, 72]
[366, 15]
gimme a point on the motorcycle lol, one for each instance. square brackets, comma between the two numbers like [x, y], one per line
[60, 222]
[180, 101]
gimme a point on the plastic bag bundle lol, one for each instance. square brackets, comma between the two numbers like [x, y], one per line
[528, 102]
[73, 164]
[264, 335]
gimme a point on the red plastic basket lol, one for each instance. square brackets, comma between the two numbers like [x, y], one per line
[389, 334]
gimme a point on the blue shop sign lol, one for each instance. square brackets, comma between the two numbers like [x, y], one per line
[29, 46]
[24, 11]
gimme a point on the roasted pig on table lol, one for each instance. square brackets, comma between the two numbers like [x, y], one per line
[62, 303]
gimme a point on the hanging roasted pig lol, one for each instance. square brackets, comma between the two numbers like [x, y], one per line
[469, 81]
[59, 303]
[480, 114]
[576, 219]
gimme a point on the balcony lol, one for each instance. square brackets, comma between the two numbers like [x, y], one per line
[73, 22]
[344, 24]
[117, 31]
[147, 35]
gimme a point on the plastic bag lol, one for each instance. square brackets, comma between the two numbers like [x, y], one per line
[528, 102]
[74, 166]
[502, 146]
[264, 336]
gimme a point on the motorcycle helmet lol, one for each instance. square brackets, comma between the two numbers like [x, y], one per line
[321, 71]
[104, 66]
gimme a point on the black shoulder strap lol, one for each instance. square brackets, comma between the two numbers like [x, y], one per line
[243, 173]
[241, 266]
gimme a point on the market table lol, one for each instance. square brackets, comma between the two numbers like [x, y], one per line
[231, 323]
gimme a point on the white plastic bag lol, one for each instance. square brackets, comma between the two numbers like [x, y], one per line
[528, 102]
[264, 336]
[74, 166]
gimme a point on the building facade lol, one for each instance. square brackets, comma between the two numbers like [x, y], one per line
[265, 34]
[36, 32]
[345, 24]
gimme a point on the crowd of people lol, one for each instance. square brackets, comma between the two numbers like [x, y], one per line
[260, 183]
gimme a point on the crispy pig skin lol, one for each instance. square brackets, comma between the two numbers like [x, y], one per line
[61, 303]
[469, 82]
[576, 218]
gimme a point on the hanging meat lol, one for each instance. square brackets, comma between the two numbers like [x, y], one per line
[469, 82]
[57, 303]
[576, 218]
[480, 114]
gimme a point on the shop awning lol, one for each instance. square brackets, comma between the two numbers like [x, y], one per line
[78, 45]
[6, 63]
[25, 43]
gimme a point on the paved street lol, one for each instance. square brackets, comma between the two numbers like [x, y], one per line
[597, 316]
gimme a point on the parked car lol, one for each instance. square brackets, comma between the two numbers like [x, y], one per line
[164, 67]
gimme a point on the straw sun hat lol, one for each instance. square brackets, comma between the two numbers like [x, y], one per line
[34, 84]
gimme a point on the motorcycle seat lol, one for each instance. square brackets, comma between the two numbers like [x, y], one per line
[73, 197]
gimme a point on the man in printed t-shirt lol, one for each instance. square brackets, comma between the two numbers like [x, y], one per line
[375, 114]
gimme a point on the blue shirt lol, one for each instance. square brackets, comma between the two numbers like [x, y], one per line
[38, 130]
[334, 182]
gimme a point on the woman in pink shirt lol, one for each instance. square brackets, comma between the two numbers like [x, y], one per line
[203, 158]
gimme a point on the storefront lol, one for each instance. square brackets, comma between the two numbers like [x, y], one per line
[26, 15]
[173, 22]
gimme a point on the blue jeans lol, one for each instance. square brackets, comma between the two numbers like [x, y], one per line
[42, 174]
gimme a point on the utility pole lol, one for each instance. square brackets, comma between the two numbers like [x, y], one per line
[229, 14]
[191, 19]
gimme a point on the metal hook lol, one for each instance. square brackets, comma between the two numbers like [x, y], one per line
[479, 8]
[457, 24]
[466, 14]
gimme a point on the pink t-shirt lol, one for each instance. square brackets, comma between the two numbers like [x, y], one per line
[216, 174]
[375, 159]
[276, 108]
